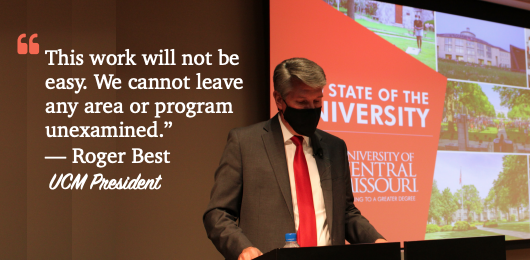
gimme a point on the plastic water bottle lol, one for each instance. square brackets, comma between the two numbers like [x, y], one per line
[290, 241]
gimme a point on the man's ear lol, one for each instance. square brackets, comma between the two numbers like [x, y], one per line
[278, 100]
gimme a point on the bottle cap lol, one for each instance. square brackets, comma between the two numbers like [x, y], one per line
[290, 237]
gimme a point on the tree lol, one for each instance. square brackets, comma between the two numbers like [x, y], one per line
[510, 97]
[435, 207]
[472, 201]
[491, 203]
[448, 205]
[350, 5]
[465, 98]
[500, 115]
[511, 187]
[521, 111]
[473, 99]
[502, 196]
[450, 100]
[361, 4]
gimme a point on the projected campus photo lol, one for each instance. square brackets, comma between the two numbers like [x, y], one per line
[485, 118]
[482, 51]
[527, 39]
[479, 195]
[408, 28]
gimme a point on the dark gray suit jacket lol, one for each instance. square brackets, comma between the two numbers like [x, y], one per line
[251, 202]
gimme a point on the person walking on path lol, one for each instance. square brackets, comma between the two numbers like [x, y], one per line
[418, 31]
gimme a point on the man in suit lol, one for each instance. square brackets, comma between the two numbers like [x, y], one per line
[285, 176]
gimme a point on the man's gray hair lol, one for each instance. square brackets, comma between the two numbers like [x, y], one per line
[295, 71]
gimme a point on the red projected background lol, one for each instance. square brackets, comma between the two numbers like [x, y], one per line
[433, 109]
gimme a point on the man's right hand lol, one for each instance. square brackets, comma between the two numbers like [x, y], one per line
[249, 253]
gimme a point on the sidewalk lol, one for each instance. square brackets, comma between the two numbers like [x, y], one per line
[506, 232]
[385, 33]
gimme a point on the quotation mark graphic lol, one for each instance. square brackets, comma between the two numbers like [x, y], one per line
[22, 48]
[168, 124]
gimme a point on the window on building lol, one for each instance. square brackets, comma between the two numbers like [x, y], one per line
[470, 59]
[480, 49]
[470, 51]
[448, 40]
[481, 61]
[459, 57]
[470, 44]
[448, 56]
[448, 48]
[489, 62]
[488, 51]
[459, 45]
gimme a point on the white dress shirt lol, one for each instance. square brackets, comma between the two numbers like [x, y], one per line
[318, 197]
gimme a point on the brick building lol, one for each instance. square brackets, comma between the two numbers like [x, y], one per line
[467, 47]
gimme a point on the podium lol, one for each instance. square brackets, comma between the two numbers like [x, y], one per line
[386, 251]
[483, 248]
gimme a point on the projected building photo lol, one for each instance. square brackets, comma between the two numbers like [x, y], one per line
[479, 195]
[475, 50]
[527, 40]
[465, 46]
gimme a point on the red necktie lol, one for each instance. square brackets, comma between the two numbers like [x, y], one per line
[307, 225]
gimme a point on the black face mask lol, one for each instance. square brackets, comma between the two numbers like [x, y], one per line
[303, 121]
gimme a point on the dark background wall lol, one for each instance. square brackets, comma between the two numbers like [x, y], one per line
[39, 223]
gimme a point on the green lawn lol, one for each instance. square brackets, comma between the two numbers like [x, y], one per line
[448, 135]
[379, 27]
[427, 55]
[445, 127]
[515, 226]
[490, 75]
[487, 135]
[468, 233]
[490, 133]
[515, 135]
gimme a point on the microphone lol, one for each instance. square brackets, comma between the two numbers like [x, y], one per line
[317, 149]
[320, 152]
